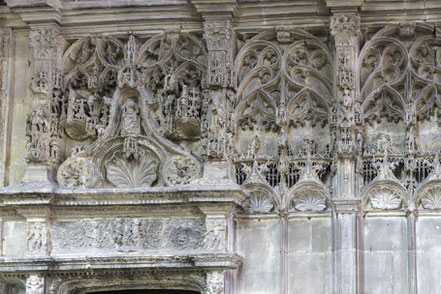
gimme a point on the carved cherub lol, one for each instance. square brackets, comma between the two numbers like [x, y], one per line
[35, 236]
[214, 237]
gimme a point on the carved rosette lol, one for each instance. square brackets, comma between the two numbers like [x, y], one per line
[76, 173]
[180, 170]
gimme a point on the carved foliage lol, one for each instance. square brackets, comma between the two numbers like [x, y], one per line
[42, 41]
[4, 57]
[345, 28]
[180, 170]
[76, 172]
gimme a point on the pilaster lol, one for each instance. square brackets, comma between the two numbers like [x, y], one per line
[42, 126]
[218, 128]
[220, 236]
[346, 245]
[5, 55]
[345, 29]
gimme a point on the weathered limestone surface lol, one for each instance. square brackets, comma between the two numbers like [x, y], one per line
[220, 146]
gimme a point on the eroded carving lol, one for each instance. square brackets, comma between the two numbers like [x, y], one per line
[126, 234]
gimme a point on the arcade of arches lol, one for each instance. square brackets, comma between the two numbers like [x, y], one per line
[220, 147]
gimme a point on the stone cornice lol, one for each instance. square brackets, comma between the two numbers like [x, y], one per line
[137, 196]
[344, 205]
[344, 3]
[217, 8]
[103, 263]
[78, 18]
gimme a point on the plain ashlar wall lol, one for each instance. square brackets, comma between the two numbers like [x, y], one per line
[304, 266]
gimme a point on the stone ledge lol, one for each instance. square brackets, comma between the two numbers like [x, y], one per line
[54, 264]
[132, 196]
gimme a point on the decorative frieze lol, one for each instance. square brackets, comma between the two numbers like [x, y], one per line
[136, 234]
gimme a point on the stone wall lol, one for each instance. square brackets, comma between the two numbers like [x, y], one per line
[220, 146]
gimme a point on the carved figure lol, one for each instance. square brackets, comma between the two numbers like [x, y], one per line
[36, 236]
[215, 237]
[130, 118]
[254, 147]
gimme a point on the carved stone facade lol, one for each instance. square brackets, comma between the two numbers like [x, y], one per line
[220, 146]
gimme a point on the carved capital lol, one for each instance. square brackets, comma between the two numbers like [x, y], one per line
[35, 284]
[345, 29]
[218, 34]
[44, 42]
[348, 206]
[215, 282]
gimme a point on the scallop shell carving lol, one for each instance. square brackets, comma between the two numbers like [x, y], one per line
[258, 203]
[309, 200]
[432, 198]
[130, 173]
[385, 198]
